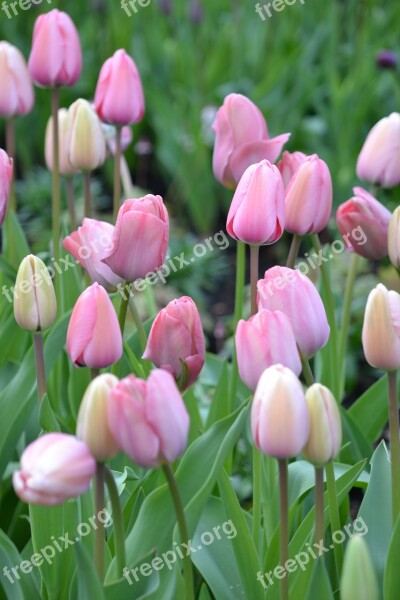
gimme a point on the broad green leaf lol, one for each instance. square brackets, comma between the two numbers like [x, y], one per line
[370, 411]
[320, 586]
[17, 585]
[391, 581]
[47, 419]
[87, 581]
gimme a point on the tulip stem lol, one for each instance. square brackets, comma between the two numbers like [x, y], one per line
[40, 365]
[254, 262]
[138, 322]
[334, 513]
[319, 504]
[118, 519]
[94, 373]
[88, 195]
[394, 442]
[99, 541]
[284, 522]
[239, 294]
[180, 515]
[117, 173]
[56, 191]
[294, 250]
[348, 297]
[256, 498]
[307, 372]
[10, 145]
[69, 184]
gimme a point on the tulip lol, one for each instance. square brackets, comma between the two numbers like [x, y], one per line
[94, 337]
[54, 468]
[394, 238]
[140, 240]
[35, 306]
[119, 95]
[381, 331]
[325, 426]
[149, 419]
[364, 212]
[92, 425]
[280, 422]
[16, 90]
[289, 164]
[379, 159]
[241, 139]
[309, 197]
[176, 341]
[265, 339]
[56, 56]
[358, 577]
[257, 212]
[294, 294]
[6, 170]
[65, 166]
[86, 144]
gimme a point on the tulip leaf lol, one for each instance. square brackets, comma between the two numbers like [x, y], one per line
[320, 586]
[370, 411]
[87, 581]
[391, 582]
[47, 418]
[15, 245]
[17, 585]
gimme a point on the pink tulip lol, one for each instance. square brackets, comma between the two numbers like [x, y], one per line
[241, 139]
[176, 341]
[6, 170]
[257, 212]
[54, 468]
[294, 294]
[379, 159]
[381, 329]
[56, 56]
[289, 164]
[309, 197]
[140, 240]
[266, 339]
[16, 90]
[88, 245]
[94, 337]
[364, 212]
[119, 95]
[149, 419]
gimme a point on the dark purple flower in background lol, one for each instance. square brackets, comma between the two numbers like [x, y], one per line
[386, 59]
[165, 7]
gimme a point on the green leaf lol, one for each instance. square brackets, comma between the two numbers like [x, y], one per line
[391, 581]
[18, 585]
[47, 418]
[370, 411]
[320, 586]
[87, 581]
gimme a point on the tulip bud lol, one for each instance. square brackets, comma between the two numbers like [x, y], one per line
[266, 339]
[140, 240]
[149, 419]
[35, 306]
[325, 426]
[379, 159]
[394, 238]
[241, 140]
[56, 56]
[257, 212]
[16, 90]
[309, 197]
[280, 422]
[294, 294]
[289, 164]
[54, 468]
[94, 337]
[6, 170]
[92, 425]
[381, 330]
[358, 577]
[86, 145]
[176, 341]
[364, 212]
[65, 167]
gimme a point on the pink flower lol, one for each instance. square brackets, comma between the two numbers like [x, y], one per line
[6, 170]
[381, 329]
[54, 468]
[289, 164]
[56, 56]
[257, 212]
[149, 419]
[176, 341]
[94, 337]
[16, 90]
[119, 95]
[241, 139]
[140, 240]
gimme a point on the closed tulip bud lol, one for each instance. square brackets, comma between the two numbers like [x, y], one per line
[280, 422]
[325, 426]
[35, 306]
[241, 139]
[289, 164]
[6, 170]
[381, 329]
[394, 238]
[363, 213]
[16, 90]
[294, 294]
[379, 159]
[119, 95]
[257, 212]
[65, 166]
[309, 197]
[56, 56]
[92, 425]
[149, 419]
[140, 240]
[358, 581]
[176, 341]
[86, 144]
[94, 337]
[54, 468]
[265, 339]
[87, 245]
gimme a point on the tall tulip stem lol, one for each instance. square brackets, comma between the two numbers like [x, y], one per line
[254, 262]
[394, 442]
[117, 173]
[257, 466]
[284, 523]
[138, 322]
[348, 297]
[87, 194]
[239, 295]
[99, 541]
[10, 146]
[40, 365]
[334, 514]
[294, 250]
[319, 504]
[69, 184]
[307, 372]
[119, 535]
[56, 205]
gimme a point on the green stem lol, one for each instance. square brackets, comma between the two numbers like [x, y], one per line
[294, 250]
[334, 514]
[257, 498]
[10, 146]
[117, 173]
[88, 195]
[138, 322]
[284, 523]
[40, 365]
[319, 504]
[69, 184]
[56, 203]
[239, 294]
[254, 260]
[123, 309]
[307, 372]
[94, 373]
[348, 297]
[180, 515]
[99, 541]
[394, 443]
[118, 520]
